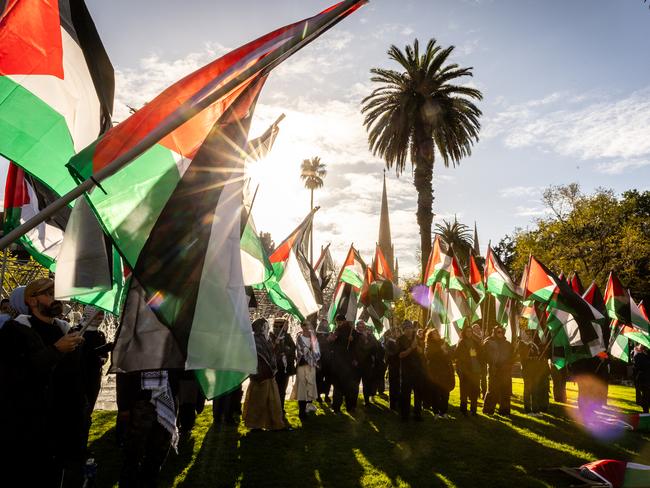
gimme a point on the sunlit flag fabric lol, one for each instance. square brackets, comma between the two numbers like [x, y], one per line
[256, 267]
[56, 86]
[187, 307]
[594, 297]
[294, 286]
[617, 474]
[324, 268]
[437, 269]
[638, 319]
[617, 300]
[497, 279]
[348, 287]
[132, 198]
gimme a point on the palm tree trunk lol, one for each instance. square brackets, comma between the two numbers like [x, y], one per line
[423, 181]
[311, 234]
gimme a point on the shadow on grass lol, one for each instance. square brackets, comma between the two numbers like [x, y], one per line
[374, 448]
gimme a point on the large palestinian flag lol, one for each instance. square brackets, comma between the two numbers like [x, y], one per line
[129, 216]
[497, 279]
[256, 267]
[324, 268]
[187, 307]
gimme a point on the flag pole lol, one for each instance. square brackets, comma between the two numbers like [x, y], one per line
[202, 100]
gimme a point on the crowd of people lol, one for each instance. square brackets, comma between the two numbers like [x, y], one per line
[50, 377]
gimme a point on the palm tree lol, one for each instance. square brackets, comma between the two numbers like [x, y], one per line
[459, 236]
[416, 111]
[312, 173]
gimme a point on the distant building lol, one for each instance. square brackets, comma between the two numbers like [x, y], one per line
[385, 241]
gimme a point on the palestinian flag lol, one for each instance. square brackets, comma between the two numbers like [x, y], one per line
[476, 278]
[437, 269]
[620, 348]
[261, 146]
[380, 267]
[638, 421]
[638, 318]
[617, 474]
[635, 335]
[204, 216]
[576, 284]
[348, 287]
[294, 286]
[594, 298]
[129, 216]
[457, 280]
[497, 279]
[256, 267]
[617, 300]
[325, 268]
[56, 86]
[540, 284]
[20, 204]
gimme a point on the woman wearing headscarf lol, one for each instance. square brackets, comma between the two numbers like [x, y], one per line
[262, 407]
[307, 356]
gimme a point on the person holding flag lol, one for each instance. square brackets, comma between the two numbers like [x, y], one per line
[499, 357]
[468, 365]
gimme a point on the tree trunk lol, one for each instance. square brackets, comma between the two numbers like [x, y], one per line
[423, 181]
[311, 233]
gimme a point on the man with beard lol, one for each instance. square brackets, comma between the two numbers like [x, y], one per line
[43, 404]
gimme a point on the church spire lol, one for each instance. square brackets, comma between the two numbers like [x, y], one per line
[385, 242]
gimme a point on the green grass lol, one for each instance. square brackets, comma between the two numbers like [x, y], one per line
[375, 449]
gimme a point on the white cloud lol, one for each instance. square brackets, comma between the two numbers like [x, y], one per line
[535, 211]
[611, 132]
[520, 191]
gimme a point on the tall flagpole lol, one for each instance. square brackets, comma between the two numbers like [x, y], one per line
[202, 100]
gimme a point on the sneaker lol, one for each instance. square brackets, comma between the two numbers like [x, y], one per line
[310, 407]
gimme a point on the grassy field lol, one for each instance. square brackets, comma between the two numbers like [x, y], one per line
[375, 449]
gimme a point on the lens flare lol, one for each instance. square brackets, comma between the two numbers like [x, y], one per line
[421, 296]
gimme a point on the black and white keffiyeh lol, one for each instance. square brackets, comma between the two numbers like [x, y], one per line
[161, 396]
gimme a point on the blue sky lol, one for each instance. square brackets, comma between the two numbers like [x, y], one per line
[566, 86]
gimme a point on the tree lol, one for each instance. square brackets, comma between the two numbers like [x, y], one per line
[416, 111]
[592, 234]
[267, 242]
[312, 173]
[406, 306]
[459, 236]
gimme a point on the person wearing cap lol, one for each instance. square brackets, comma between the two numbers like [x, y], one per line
[410, 372]
[498, 353]
[43, 405]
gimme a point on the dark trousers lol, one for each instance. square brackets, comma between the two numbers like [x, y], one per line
[368, 381]
[282, 380]
[346, 386]
[484, 382]
[226, 406]
[439, 399]
[410, 383]
[146, 447]
[393, 382]
[499, 390]
[536, 384]
[559, 384]
[469, 391]
[323, 381]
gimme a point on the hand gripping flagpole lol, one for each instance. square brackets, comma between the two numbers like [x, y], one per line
[182, 114]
